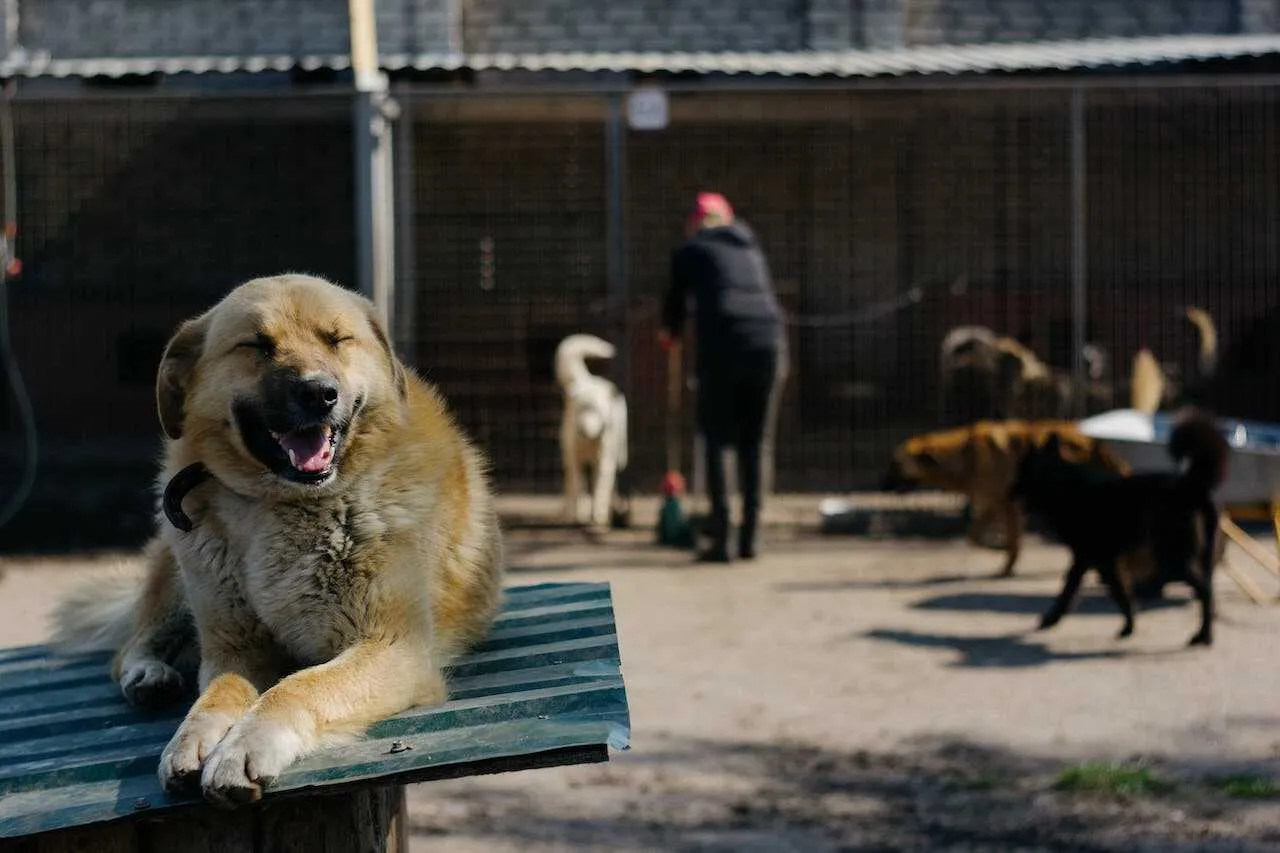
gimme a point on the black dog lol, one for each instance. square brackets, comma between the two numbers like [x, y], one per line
[1104, 517]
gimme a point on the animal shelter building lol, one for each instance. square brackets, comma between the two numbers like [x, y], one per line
[1067, 173]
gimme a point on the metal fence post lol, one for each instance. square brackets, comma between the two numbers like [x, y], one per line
[375, 206]
[405, 321]
[617, 297]
[1079, 246]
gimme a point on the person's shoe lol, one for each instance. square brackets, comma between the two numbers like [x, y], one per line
[747, 541]
[714, 554]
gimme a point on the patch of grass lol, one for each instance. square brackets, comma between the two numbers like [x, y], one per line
[1246, 786]
[1111, 777]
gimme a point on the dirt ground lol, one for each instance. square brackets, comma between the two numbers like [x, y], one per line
[845, 694]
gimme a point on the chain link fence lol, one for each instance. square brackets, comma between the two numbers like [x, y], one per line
[890, 217]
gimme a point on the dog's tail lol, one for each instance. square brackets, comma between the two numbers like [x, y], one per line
[1146, 390]
[572, 354]
[99, 614]
[1207, 361]
[1197, 444]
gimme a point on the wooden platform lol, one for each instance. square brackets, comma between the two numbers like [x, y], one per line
[78, 765]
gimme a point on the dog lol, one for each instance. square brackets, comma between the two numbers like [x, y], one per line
[985, 375]
[1105, 517]
[337, 547]
[593, 430]
[981, 461]
[1155, 386]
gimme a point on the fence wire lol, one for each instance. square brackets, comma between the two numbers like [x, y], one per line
[890, 218]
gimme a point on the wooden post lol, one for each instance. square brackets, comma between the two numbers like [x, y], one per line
[368, 818]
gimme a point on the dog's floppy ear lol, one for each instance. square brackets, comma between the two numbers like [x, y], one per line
[397, 369]
[174, 374]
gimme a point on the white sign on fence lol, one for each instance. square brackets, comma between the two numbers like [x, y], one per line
[647, 109]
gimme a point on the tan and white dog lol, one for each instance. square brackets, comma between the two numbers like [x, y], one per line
[327, 540]
[593, 428]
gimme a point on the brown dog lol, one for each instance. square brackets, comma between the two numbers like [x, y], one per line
[341, 544]
[981, 461]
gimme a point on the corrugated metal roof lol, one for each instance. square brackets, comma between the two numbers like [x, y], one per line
[944, 59]
[947, 59]
[547, 679]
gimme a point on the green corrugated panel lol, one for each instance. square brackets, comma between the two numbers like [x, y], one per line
[547, 681]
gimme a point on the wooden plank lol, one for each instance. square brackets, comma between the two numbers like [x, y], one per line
[1268, 561]
[199, 831]
[1246, 583]
[365, 820]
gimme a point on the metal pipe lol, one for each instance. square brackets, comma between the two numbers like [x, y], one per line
[406, 287]
[374, 206]
[619, 287]
[1079, 246]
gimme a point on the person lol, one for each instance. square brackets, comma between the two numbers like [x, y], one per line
[739, 329]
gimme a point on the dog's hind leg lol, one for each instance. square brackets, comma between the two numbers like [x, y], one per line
[150, 665]
[1200, 577]
[602, 494]
[1118, 586]
[572, 469]
[1013, 537]
[1070, 588]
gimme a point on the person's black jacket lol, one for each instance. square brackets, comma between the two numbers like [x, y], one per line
[726, 273]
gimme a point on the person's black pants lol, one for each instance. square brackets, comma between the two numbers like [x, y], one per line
[733, 398]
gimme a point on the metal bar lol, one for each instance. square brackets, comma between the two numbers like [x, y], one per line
[375, 206]
[617, 296]
[362, 148]
[1079, 246]
[406, 286]
[753, 83]
[44, 89]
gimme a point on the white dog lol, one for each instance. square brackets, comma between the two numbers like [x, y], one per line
[593, 431]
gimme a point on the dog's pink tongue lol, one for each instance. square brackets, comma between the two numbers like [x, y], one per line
[309, 449]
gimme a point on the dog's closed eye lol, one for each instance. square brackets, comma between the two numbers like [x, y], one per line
[261, 343]
[336, 339]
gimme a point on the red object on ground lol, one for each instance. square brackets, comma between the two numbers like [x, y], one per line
[673, 484]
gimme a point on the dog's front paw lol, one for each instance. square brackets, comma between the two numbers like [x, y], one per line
[183, 756]
[1047, 621]
[1126, 631]
[249, 759]
[151, 684]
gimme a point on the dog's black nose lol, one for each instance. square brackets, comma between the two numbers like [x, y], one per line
[315, 397]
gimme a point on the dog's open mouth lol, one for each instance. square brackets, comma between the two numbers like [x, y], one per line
[310, 449]
[305, 454]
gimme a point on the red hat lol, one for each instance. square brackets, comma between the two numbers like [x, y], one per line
[710, 204]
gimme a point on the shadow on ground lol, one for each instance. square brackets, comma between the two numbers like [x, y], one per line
[1009, 651]
[1089, 603]
[936, 795]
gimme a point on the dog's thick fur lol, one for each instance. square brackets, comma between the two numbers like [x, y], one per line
[593, 428]
[1105, 517]
[316, 600]
[981, 461]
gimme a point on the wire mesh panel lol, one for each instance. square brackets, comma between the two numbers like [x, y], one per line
[136, 212]
[891, 219]
[1183, 212]
[509, 248]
